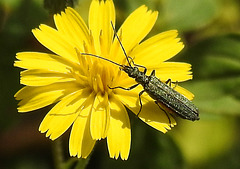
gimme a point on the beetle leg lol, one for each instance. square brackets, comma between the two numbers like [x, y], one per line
[152, 73]
[169, 81]
[175, 84]
[145, 69]
[140, 101]
[129, 88]
[164, 112]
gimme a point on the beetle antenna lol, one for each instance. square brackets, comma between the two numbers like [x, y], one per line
[89, 54]
[115, 34]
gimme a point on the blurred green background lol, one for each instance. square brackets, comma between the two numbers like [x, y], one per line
[210, 30]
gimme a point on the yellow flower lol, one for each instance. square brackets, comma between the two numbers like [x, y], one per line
[78, 84]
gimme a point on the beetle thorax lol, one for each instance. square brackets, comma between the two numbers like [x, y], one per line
[131, 71]
[134, 72]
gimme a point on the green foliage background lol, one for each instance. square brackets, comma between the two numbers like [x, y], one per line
[210, 30]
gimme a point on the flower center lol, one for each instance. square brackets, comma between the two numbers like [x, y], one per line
[96, 74]
[101, 76]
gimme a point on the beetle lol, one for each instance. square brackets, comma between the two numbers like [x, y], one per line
[164, 95]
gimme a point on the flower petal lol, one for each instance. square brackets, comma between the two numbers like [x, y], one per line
[56, 42]
[157, 49]
[33, 98]
[81, 142]
[184, 92]
[176, 71]
[63, 114]
[37, 60]
[71, 24]
[101, 14]
[41, 78]
[119, 133]
[133, 30]
[100, 117]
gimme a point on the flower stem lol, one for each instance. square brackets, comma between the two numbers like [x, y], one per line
[58, 154]
[58, 158]
[82, 163]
